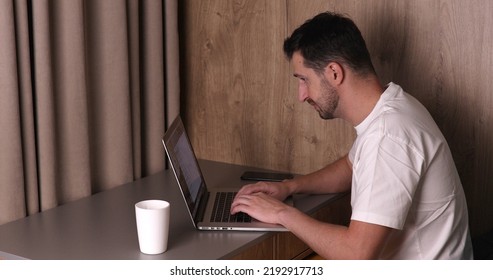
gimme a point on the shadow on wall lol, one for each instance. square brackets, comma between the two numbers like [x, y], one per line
[483, 246]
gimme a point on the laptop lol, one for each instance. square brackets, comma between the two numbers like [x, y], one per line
[209, 210]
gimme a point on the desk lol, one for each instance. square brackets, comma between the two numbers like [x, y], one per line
[102, 226]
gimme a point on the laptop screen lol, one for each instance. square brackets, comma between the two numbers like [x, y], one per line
[188, 166]
[184, 164]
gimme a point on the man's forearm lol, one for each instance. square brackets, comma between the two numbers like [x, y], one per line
[335, 177]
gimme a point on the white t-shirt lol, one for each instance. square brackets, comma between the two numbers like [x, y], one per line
[404, 178]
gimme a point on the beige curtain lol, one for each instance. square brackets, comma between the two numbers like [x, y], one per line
[87, 88]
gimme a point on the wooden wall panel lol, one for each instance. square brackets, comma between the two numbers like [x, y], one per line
[240, 99]
[241, 102]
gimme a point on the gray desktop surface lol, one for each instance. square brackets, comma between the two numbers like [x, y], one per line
[102, 226]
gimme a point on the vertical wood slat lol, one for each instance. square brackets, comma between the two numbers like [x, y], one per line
[241, 100]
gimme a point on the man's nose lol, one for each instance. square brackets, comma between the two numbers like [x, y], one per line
[302, 93]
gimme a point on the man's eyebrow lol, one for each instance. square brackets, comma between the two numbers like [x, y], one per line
[299, 76]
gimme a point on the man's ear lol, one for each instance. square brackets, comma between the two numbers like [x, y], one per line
[334, 73]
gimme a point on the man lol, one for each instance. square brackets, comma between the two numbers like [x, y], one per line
[406, 196]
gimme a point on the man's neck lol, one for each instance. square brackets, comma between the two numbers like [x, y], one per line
[359, 98]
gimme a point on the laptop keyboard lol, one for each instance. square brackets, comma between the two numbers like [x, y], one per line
[221, 210]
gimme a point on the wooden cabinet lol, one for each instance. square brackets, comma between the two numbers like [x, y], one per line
[285, 245]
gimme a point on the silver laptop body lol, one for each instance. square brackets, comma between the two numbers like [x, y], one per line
[199, 200]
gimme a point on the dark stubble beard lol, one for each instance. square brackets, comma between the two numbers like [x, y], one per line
[329, 100]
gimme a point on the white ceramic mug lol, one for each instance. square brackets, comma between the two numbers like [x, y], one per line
[152, 218]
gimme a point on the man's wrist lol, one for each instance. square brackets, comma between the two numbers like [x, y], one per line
[292, 186]
[286, 215]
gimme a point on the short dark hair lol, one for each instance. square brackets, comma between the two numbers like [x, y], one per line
[330, 37]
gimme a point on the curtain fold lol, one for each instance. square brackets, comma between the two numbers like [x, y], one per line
[16, 148]
[83, 97]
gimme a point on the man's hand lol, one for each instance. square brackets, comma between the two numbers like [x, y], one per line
[278, 190]
[262, 201]
[260, 206]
